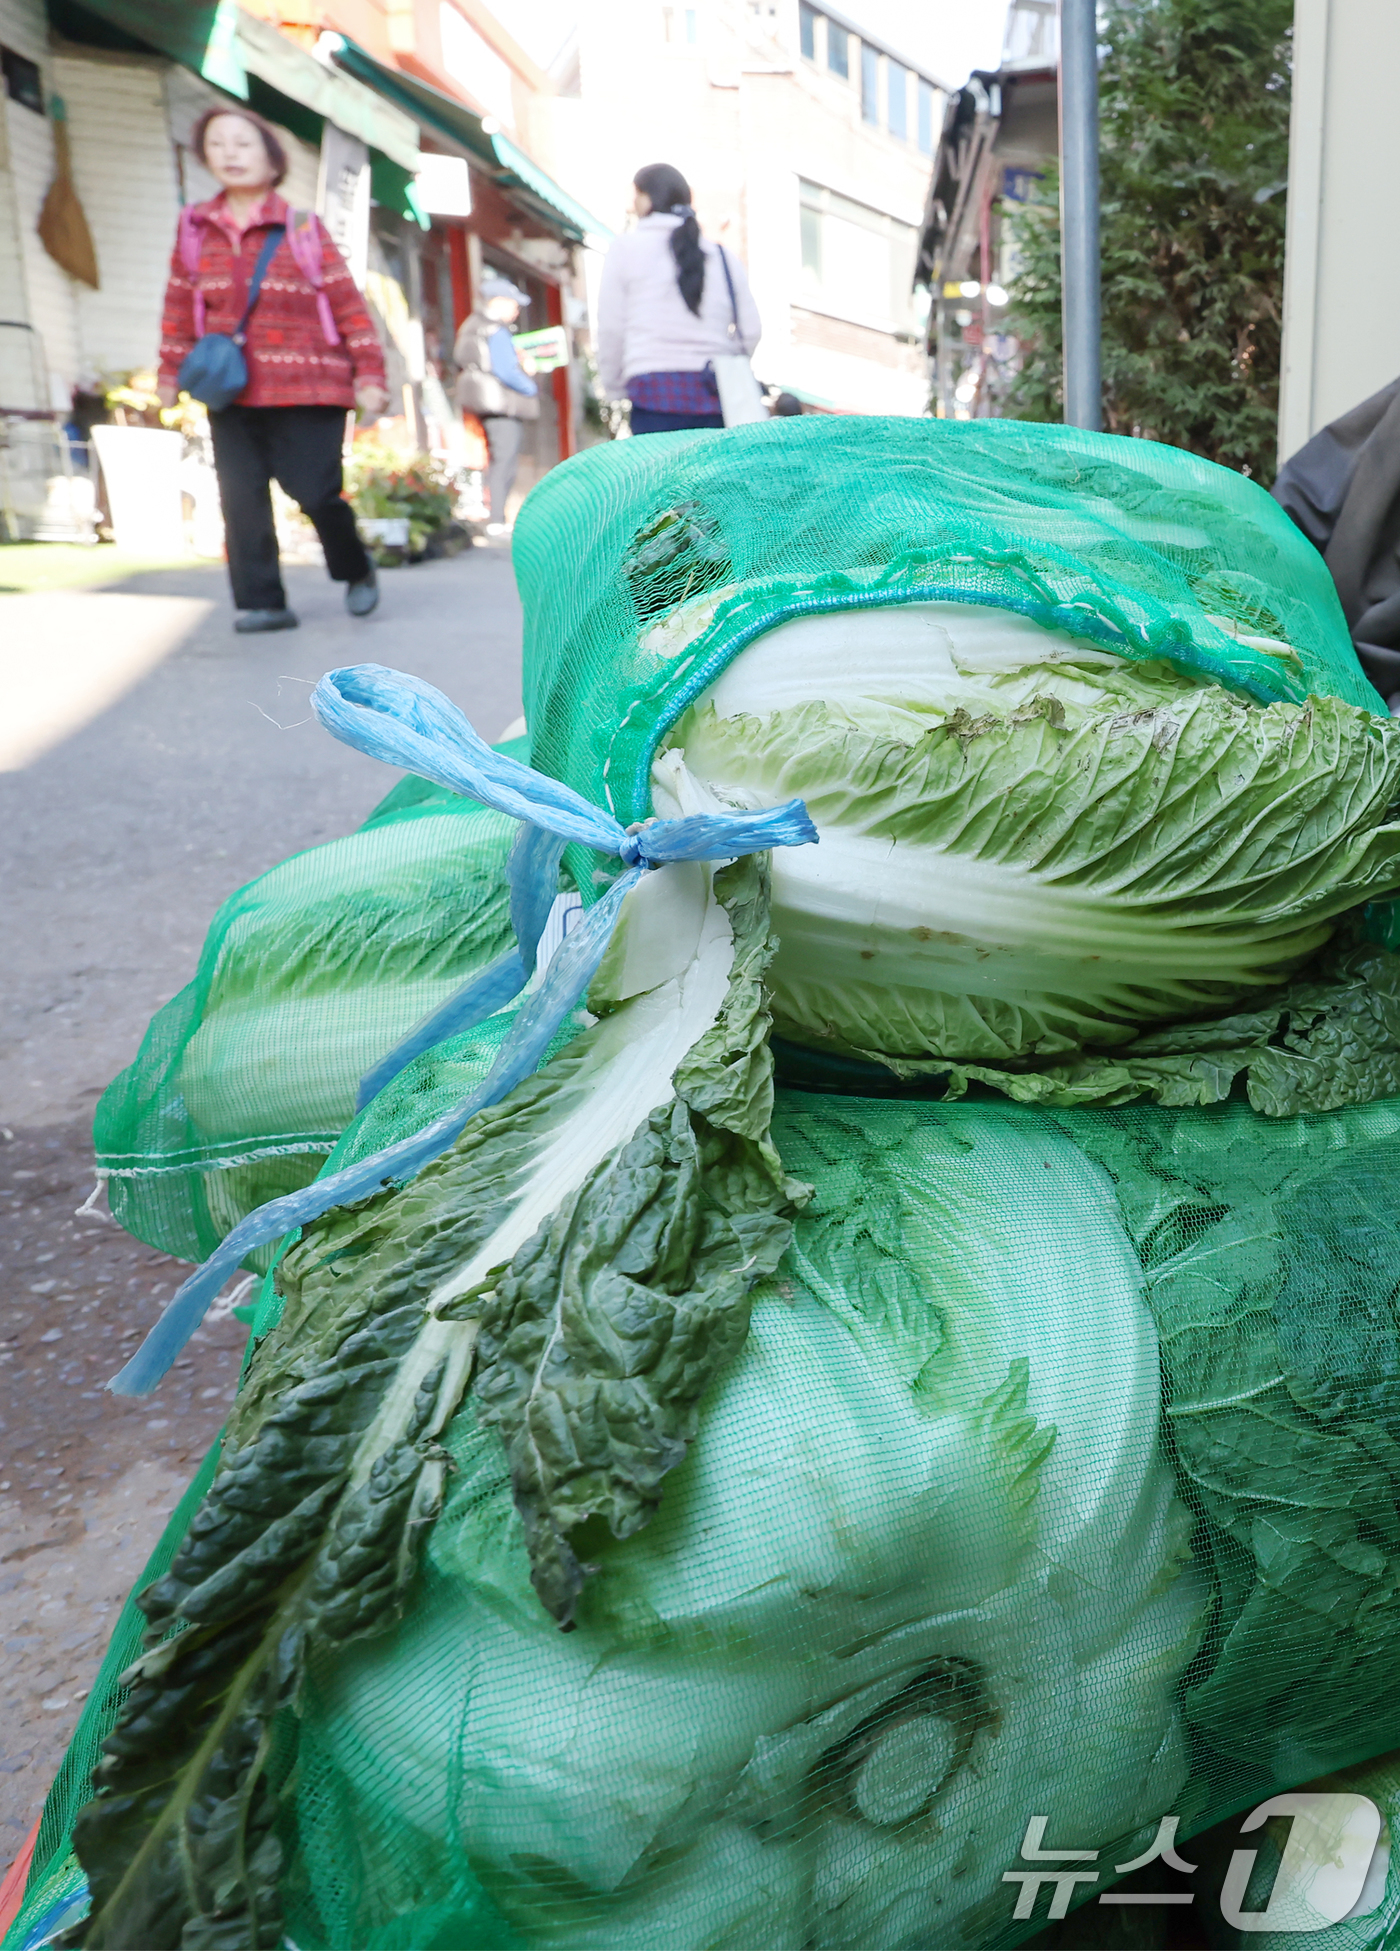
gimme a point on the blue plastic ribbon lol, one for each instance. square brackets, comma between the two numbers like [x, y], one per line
[534, 874]
[408, 723]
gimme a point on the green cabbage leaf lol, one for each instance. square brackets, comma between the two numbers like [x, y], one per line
[1329, 1039]
[583, 1257]
[924, 1545]
[1032, 891]
[1270, 1269]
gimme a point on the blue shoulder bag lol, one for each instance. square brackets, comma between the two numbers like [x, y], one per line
[215, 371]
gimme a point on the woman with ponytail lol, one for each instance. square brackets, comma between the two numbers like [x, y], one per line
[669, 304]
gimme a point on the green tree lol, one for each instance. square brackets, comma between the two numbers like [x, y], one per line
[1194, 157]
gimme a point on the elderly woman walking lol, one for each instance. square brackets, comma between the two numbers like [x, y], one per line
[670, 303]
[493, 384]
[311, 354]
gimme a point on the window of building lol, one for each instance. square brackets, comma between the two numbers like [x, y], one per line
[857, 263]
[22, 82]
[681, 25]
[909, 99]
[898, 92]
[925, 118]
[869, 84]
[810, 218]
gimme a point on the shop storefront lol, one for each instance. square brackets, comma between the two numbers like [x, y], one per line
[97, 123]
[520, 224]
[422, 197]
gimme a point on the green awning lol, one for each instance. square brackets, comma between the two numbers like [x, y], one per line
[249, 59]
[392, 188]
[202, 35]
[286, 66]
[429, 106]
[464, 129]
[520, 170]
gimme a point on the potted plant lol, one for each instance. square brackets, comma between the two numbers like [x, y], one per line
[404, 505]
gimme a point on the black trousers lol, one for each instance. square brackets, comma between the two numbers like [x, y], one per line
[503, 438]
[645, 421]
[298, 447]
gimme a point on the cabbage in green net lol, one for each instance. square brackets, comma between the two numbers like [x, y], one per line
[904, 1472]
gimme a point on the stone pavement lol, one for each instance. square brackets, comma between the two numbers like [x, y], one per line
[150, 763]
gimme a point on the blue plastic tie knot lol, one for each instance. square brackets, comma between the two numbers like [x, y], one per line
[410, 724]
[632, 848]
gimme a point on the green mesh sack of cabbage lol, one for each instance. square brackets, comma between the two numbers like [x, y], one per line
[930, 1343]
[246, 1079]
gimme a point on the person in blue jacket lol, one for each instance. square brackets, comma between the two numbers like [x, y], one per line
[493, 384]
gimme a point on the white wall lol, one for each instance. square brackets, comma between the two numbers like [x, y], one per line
[124, 170]
[744, 117]
[1341, 334]
[41, 293]
[19, 386]
[124, 173]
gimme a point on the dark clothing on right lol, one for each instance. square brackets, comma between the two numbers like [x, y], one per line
[644, 421]
[300, 448]
[503, 438]
[1343, 490]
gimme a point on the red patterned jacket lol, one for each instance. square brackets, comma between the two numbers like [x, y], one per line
[289, 361]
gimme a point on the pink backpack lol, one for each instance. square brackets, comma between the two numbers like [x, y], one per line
[303, 241]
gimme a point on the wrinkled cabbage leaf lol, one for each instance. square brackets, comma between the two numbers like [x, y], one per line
[924, 1544]
[584, 1254]
[1023, 893]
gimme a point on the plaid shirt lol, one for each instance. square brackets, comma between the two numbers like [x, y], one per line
[675, 392]
[289, 362]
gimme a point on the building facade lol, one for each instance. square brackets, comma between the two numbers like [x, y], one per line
[999, 131]
[476, 96]
[807, 143]
[384, 137]
[123, 108]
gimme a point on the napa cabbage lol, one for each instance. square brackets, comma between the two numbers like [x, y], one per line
[924, 1547]
[322, 964]
[829, 1431]
[583, 1260]
[1031, 849]
[1372, 1921]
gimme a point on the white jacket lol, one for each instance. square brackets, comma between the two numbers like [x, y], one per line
[645, 326]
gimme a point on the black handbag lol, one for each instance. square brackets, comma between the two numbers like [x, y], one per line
[214, 371]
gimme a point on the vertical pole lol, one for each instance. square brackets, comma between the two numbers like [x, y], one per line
[461, 275]
[1303, 255]
[945, 358]
[982, 406]
[559, 378]
[1079, 212]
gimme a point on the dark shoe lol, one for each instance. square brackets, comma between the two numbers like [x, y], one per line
[247, 621]
[363, 596]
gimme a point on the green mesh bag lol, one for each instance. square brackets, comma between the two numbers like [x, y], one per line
[644, 575]
[246, 1079]
[964, 1458]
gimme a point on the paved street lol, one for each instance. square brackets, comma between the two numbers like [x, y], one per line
[150, 763]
